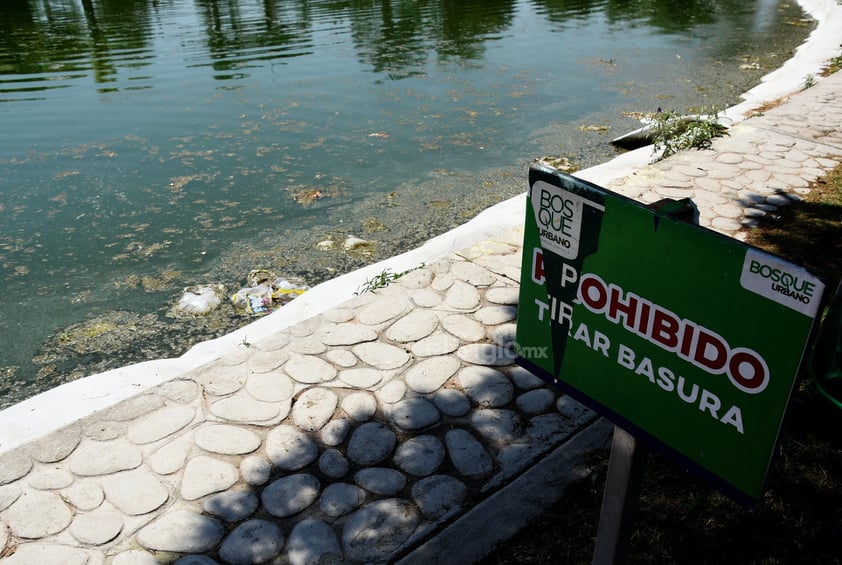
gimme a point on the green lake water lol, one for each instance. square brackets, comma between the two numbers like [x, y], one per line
[148, 145]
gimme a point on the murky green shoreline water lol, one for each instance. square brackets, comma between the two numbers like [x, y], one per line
[145, 149]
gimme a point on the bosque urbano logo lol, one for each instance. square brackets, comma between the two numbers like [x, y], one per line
[781, 282]
[558, 214]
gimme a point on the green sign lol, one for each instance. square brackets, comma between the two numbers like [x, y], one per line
[678, 334]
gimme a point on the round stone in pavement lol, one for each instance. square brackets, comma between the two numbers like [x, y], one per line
[232, 505]
[312, 541]
[159, 424]
[486, 386]
[462, 296]
[274, 386]
[345, 334]
[37, 514]
[254, 541]
[414, 414]
[380, 480]
[436, 495]
[204, 475]
[379, 311]
[547, 428]
[505, 335]
[361, 377]
[420, 455]
[290, 495]
[463, 327]
[340, 498]
[360, 406]
[437, 343]
[105, 458]
[486, 354]
[97, 527]
[392, 392]
[179, 391]
[497, 426]
[503, 295]
[573, 410]
[255, 470]
[371, 443]
[430, 374]
[333, 463]
[243, 408]
[381, 355]
[226, 440]
[57, 445]
[47, 554]
[468, 455]
[181, 531]
[308, 369]
[416, 325]
[426, 297]
[493, 315]
[472, 273]
[220, 380]
[50, 479]
[341, 358]
[535, 401]
[170, 457]
[452, 402]
[84, 495]
[376, 531]
[314, 408]
[525, 380]
[289, 448]
[9, 494]
[335, 431]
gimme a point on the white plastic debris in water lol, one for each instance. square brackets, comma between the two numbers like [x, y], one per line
[263, 297]
[283, 284]
[200, 300]
[352, 242]
[254, 300]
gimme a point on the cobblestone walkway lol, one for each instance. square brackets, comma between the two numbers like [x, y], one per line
[764, 162]
[394, 427]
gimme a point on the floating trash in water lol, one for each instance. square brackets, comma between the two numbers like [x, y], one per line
[560, 163]
[266, 292]
[200, 300]
[592, 127]
[253, 300]
[353, 243]
[305, 197]
[260, 276]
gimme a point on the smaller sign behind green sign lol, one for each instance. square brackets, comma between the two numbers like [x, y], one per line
[679, 334]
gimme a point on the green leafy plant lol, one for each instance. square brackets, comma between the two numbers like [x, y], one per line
[809, 81]
[834, 65]
[382, 280]
[675, 132]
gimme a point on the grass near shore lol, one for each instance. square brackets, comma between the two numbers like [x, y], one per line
[681, 519]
